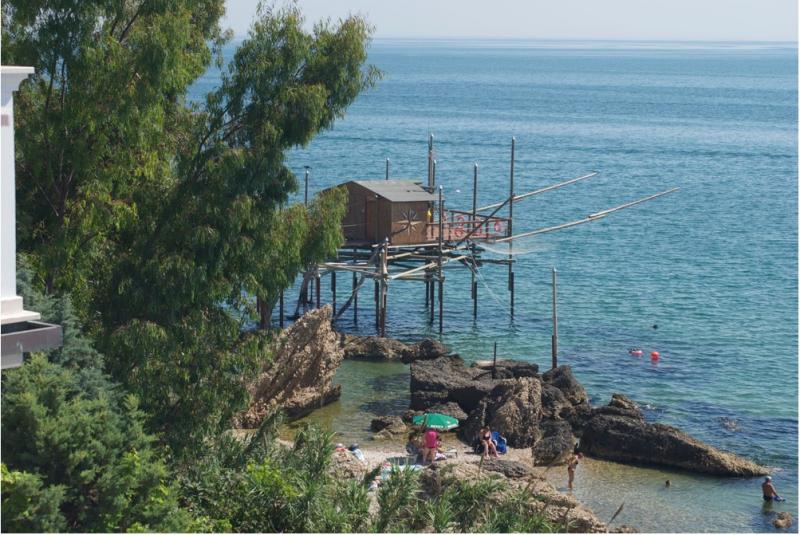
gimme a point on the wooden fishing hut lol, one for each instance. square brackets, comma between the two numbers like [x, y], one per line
[400, 230]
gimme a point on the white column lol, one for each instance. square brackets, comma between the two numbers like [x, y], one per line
[11, 309]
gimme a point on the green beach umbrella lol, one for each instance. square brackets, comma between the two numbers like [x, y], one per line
[435, 420]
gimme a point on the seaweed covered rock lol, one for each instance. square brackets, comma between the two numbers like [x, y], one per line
[299, 378]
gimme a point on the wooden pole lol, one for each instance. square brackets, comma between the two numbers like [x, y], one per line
[510, 227]
[432, 297]
[441, 240]
[317, 288]
[377, 219]
[281, 311]
[384, 285]
[430, 162]
[333, 290]
[305, 197]
[474, 288]
[433, 174]
[355, 299]
[494, 362]
[555, 323]
[387, 168]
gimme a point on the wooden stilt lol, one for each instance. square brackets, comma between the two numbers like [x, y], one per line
[333, 291]
[474, 286]
[355, 299]
[317, 288]
[441, 276]
[494, 362]
[432, 289]
[510, 228]
[281, 310]
[384, 285]
[555, 323]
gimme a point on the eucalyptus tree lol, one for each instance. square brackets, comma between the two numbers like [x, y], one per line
[158, 216]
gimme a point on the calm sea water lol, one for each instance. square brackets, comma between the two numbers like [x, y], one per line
[713, 266]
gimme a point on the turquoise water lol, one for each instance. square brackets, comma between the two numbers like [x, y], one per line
[713, 266]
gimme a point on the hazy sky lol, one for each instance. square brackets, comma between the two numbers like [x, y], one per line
[724, 20]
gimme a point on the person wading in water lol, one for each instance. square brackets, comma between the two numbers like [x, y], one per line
[572, 464]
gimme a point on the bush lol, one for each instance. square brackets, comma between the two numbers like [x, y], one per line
[28, 505]
[81, 441]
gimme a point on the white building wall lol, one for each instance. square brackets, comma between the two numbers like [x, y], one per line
[11, 309]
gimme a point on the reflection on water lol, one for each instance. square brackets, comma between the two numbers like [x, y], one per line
[691, 503]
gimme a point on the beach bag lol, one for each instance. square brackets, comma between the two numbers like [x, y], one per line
[500, 442]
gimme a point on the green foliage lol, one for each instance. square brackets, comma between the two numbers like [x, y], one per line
[157, 217]
[397, 498]
[82, 443]
[28, 505]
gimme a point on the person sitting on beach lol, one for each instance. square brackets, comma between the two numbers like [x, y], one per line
[488, 447]
[414, 446]
[572, 464]
[430, 446]
[769, 492]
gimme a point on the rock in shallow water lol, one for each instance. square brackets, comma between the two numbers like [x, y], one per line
[373, 348]
[629, 439]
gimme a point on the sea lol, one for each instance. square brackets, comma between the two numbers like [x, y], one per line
[706, 276]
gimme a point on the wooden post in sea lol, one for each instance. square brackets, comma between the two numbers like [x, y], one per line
[333, 290]
[355, 299]
[441, 276]
[431, 180]
[317, 287]
[494, 362]
[474, 288]
[280, 313]
[510, 227]
[387, 168]
[555, 323]
[384, 285]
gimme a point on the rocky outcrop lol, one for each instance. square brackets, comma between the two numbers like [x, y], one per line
[509, 369]
[555, 445]
[619, 433]
[563, 380]
[427, 349]
[446, 379]
[299, 376]
[380, 349]
[388, 426]
[345, 465]
[510, 469]
[513, 407]
[373, 348]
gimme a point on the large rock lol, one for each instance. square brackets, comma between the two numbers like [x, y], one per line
[513, 408]
[427, 349]
[510, 469]
[629, 439]
[445, 379]
[373, 348]
[508, 368]
[392, 425]
[299, 376]
[783, 520]
[556, 444]
[563, 379]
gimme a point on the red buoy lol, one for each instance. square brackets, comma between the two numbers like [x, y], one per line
[654, 355]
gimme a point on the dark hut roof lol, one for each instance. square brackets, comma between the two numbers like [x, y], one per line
[397, 190]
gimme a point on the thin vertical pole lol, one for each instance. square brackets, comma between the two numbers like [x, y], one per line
[555, 322]
[384, 285]
[281, 314]
[441, 239]
[432, 292]
[510, 227]
[433, 174]
[377, 219]
[387, 168]
[474, 288]
[317, 288]
[333, 290]
[355, 299]
[430, 162]
[494, 362]
[305, 198]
